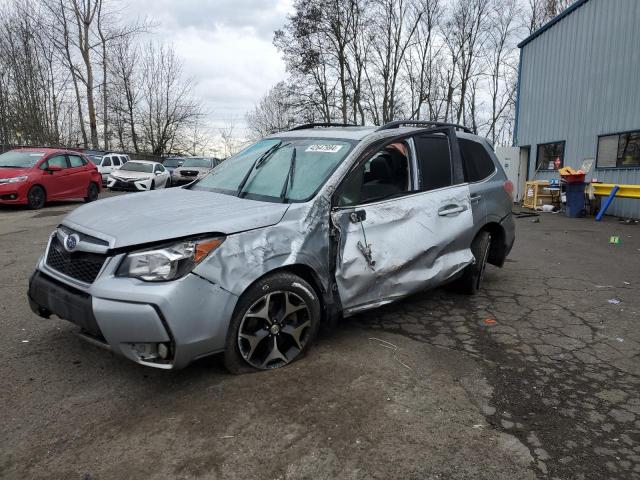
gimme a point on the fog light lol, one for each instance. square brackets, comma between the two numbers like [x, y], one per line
[163, 351]
[145, 351]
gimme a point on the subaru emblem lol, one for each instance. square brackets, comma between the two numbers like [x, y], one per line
[71, 242]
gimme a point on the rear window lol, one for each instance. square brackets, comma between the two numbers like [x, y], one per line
[76, 161]
[20, 159]
[476, 161]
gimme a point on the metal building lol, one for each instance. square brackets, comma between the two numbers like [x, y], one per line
[579, 97]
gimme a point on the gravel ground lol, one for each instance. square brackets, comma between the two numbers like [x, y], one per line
[535, 377]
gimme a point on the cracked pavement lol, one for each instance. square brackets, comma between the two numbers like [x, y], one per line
[557, 333]
[537, 376]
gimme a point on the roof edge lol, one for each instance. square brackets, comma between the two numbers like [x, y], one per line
[552, 22]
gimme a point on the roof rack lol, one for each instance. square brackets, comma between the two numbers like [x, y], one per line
[420, 123]
[325, 125]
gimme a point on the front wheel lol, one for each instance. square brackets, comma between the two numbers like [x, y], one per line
[153, 185]
[168, 183]
[273, 325]
[92, 193]
[36, 197]
[473, 274]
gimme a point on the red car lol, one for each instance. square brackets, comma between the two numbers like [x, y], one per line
[33, 176]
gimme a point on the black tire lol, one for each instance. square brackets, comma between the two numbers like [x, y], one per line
[92, 193]
[153, 185]
[168, 184]
[36, 197]
[262, 340]
[472, 275]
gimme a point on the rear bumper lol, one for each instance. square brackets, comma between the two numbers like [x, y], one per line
[189, 316]
[509, 228]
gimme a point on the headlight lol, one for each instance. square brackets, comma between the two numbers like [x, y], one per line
[12, 180]
[167, 263]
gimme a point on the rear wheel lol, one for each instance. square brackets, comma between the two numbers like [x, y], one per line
[92, 193]
[473, 274]
[274, 324]
[36, 197]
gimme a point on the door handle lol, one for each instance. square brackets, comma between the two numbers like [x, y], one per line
[475, 198]
[358, 216]
[451, 210]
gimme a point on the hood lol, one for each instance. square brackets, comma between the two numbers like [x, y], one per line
[160, 215]
[130, 174]
[13, 172]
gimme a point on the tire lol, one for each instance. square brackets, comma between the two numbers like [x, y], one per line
[153, 185]
[472, 275]
[257, 342]
[168, 183]
[36, 197]
[92, 193]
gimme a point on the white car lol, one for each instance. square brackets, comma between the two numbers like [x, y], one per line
[109, 163]
[139, 176]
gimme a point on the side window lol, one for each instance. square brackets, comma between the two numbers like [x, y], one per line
[116, 161]
[477, 162]
[386, 174]
[76, 161]
[106, 162]
[159, 168]
[124, 159]
[434, 161]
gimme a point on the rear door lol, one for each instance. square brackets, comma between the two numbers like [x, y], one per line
[401, 225]
[79, 176]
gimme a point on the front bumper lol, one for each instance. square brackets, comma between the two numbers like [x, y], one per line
[129, 186]
[180, 180]
[14, 193]
[189, 316]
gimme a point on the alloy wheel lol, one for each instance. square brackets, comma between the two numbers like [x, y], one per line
[274, 330]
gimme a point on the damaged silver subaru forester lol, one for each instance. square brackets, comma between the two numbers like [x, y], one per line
[302, 227]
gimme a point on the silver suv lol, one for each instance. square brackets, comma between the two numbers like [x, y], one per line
[302, 227]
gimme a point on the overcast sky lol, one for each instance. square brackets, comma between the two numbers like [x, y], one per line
[226, 45]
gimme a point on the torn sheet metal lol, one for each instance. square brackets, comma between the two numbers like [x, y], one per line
[409, 246]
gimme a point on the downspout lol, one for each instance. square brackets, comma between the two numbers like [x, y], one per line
[517, 120]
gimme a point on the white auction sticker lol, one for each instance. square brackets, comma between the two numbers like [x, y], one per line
[324, 148]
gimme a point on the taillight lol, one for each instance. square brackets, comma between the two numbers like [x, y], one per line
[508, 187]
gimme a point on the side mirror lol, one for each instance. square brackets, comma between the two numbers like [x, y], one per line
[54, 168]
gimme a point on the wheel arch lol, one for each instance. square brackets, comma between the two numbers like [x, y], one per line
[309, 275]
[497, 248]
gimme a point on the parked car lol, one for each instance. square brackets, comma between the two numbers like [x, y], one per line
[300, 228]
[172, 163]
[139, 176]
[110, 162]
[34, 176]
[192, 169]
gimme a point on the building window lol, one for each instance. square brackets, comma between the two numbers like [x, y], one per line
[550, 156]
[619, 150]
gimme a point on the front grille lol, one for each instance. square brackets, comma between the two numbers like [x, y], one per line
[189, 173]
[127, 186]
[81, 266]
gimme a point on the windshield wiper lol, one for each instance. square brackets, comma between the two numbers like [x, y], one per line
[259, 161]
[289, 180]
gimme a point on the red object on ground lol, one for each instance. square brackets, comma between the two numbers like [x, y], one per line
[33, 176]
[579, 178]
[489, 322]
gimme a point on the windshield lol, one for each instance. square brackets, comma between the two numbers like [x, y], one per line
[314, 160]
[137, 167]
[197, 162]
[172, 162]
[20, 159]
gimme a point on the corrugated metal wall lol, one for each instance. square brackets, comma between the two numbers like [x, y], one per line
[581, 79]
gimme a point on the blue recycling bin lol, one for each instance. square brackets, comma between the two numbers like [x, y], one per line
[575, 200]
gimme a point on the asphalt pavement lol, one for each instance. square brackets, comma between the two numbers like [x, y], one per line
[537, 376]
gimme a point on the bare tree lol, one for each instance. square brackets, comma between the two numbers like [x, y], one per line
[167, 105]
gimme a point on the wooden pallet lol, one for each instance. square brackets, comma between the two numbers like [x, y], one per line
[538, 193]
